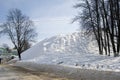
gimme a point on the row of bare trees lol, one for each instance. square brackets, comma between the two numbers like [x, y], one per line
[102, 18]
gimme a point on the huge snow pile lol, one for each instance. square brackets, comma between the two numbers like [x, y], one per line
[72, 43]
[72, 50]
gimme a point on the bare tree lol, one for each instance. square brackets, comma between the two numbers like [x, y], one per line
[102, 17]
[20, 29]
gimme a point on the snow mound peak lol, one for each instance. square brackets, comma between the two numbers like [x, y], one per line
[71, 43]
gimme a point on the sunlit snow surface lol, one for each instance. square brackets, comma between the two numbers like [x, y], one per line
[74, 50]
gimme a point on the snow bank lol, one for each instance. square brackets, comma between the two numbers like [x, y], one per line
[82, 61]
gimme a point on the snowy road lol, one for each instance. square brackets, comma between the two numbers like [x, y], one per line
[71, 72]
[16, 73]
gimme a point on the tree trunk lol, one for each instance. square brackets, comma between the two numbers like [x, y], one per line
[19, 54]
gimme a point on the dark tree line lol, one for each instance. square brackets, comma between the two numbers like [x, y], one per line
[102, 18]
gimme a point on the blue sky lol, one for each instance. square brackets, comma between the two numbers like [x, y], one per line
[51, 17]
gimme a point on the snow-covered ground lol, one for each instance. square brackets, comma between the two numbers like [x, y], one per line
[73, 50]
